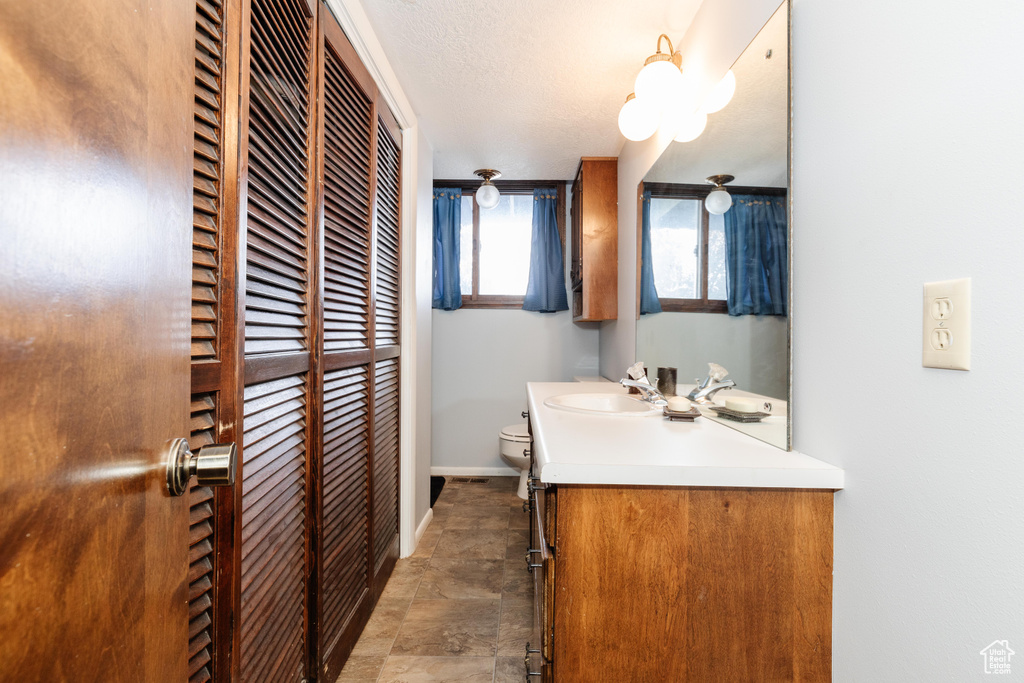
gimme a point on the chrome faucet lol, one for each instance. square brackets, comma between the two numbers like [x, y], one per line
[706, 390]
[650, 393]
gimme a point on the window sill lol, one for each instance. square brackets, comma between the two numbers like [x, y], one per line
[510, 303]
[693, 306]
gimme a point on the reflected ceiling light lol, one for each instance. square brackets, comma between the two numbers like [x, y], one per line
[638, 119]
[691, 127]
[719, 201]
[487, 195]
[720, 94]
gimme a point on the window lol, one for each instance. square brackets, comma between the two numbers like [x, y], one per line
[494, 244]
[687, 252]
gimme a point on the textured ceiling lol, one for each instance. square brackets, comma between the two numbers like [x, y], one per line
[749, 138]
[523, 86]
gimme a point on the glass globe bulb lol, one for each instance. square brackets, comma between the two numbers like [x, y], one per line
[487, 196]
[720, 94]
[638, 119]
[659, 82]
[691, 127]
[718, 202]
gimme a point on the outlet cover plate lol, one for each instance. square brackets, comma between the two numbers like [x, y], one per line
[946, 332]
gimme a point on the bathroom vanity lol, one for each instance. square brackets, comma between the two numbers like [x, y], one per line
[675, 551]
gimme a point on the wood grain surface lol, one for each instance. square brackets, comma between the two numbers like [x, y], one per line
[96, 209]
[683, 584]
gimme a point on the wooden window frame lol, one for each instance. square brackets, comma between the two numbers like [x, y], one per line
[700, 193]
[511, 187]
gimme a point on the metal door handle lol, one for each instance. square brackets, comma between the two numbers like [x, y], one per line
[213, 465]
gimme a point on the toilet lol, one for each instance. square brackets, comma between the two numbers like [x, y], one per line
[514, 439]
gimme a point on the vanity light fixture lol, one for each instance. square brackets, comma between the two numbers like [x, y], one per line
[638, 119]
[487, 195]
[659, 88]
[719, 200]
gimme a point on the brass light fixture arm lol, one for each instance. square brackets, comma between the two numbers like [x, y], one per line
[672, 56]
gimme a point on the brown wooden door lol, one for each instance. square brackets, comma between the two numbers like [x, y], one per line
[95, 209]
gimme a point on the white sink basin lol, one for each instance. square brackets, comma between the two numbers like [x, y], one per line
[603, 404]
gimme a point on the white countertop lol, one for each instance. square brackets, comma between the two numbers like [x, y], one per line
[578, 448]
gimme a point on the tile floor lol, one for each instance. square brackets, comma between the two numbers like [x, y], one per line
[461, 607]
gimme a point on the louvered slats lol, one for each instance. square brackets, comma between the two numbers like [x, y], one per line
[201, 540]
[273, 530]
[277, 256]
[206, 169]
[385, 459]
[347, 126]
[388, 238]
[345, 499]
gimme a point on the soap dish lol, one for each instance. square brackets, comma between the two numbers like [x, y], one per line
[737, 416]
[681, 415]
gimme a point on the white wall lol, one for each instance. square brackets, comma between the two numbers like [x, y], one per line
[752, 348]
[482, 362]
[907, 141]
[419, 255]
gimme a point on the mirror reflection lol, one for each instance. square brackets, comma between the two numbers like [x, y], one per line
[714, 267]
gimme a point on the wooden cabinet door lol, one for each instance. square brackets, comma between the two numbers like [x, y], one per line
[95, 209]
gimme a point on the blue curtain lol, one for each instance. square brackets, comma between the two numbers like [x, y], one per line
[447, 223]
[756, 262]
[545, 291]
[649, 302]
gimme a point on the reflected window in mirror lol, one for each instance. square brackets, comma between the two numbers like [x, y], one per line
[690, 267]
[687, 253]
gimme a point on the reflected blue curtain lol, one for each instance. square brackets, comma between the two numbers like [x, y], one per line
[545, 291]
[447, 223]
[649, 302]
[756, 262]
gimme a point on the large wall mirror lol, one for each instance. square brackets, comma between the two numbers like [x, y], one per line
[721, 280]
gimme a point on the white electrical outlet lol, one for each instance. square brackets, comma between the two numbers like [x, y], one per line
[947, 325]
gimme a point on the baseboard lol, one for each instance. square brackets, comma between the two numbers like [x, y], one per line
[427, 518]
[474, 471]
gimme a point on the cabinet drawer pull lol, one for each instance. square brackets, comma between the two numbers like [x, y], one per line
[526, 414]
[530, 566]
[526, 661]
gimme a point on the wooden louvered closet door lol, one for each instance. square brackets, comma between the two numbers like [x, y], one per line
[281, 396]
[215, 354]
[295, 342]
[359, 503]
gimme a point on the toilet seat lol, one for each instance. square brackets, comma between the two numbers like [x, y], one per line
[516, 433]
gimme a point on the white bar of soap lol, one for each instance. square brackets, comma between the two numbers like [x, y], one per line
[680, 404]
[741, 404]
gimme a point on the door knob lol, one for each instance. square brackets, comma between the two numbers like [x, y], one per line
[213, 465]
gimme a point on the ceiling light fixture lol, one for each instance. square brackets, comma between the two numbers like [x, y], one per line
[719, 201]
[487, 195]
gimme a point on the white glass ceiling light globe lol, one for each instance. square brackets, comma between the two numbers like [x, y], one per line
[720, 95]
[487, 196]
[638, 119]
[691, 127]
[718, 202]
[659, 82]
